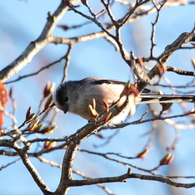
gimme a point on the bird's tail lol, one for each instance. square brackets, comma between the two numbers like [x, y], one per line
[155, 98]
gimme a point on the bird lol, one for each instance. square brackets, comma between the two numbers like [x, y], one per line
[76, 96]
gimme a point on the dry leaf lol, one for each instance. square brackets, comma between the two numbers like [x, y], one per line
[3, 101]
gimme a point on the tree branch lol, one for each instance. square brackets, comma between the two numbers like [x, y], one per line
[34, 173]
[34, 47]
[129, 175]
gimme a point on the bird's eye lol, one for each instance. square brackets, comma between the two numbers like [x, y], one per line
[66, 99]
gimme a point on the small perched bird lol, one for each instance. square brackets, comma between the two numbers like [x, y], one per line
[76, 96]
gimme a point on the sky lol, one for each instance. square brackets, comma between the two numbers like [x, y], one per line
[21, 22]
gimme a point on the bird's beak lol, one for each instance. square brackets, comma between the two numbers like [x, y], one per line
[65, 109]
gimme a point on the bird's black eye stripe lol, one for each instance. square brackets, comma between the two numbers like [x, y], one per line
[100, 82]
[104, 81]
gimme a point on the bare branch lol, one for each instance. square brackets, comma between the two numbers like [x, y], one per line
[5, 166]
[36, 46]
[158, 8]
[122, 178]
[148, 120]
[34, 173]
[67, 58]
[180, 72]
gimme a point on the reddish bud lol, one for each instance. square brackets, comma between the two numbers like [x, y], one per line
[143, 153]
[166, 160]
[128, 89]
[48, 130]
[28, 113]
[48, 103]
[38, 127]
[99, 135]
[64, 27]
[48, 89]
[170, 160]
[48, 145]
[106, 105]
[32, 125]
[31, 117]
[108, 117]
[84, 2]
